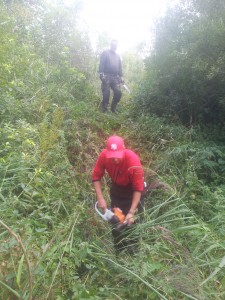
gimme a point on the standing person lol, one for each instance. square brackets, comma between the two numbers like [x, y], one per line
[110, 73]
[127, 184]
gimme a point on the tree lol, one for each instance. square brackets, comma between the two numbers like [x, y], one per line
[184, 74]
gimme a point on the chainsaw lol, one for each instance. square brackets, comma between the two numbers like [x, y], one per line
[114, 217]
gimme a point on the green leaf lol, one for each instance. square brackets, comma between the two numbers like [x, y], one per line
[10, 289]
[18, 276]
[217, 269]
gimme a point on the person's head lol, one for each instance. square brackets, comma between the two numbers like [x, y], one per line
[115, 148]
[113, 45]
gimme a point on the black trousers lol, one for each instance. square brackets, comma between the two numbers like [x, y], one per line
[110, 82]
[125, 238]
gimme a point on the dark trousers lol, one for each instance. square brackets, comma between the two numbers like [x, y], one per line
[125, 238]
[110, 82]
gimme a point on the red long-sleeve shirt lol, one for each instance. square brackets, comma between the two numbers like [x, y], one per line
[129, 170]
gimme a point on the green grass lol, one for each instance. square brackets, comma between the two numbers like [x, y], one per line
[46, 198]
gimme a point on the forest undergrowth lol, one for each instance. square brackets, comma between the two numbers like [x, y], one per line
[54, 245]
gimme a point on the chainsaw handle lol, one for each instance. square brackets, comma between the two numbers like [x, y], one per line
[97, 210]
[107, 215]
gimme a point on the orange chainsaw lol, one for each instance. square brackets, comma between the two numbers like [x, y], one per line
[114, 216]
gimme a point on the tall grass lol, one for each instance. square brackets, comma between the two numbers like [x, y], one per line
[180, 255]
[47, 199]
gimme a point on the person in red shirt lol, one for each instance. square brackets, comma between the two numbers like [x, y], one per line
[127, 181]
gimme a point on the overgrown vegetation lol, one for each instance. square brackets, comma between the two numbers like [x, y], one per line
[52, 244]
[185, 78]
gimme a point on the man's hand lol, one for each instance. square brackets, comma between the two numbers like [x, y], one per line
[129, 218]
[102, 204]
[101, 76]
[101, 201]
[121, 80]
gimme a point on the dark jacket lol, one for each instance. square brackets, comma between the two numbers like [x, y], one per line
[110, 63]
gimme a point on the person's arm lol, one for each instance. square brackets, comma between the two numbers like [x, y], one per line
[101, 200]
[120, 68]
[101, 68]
[135, 201]
[97, 174]
[137, 179]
